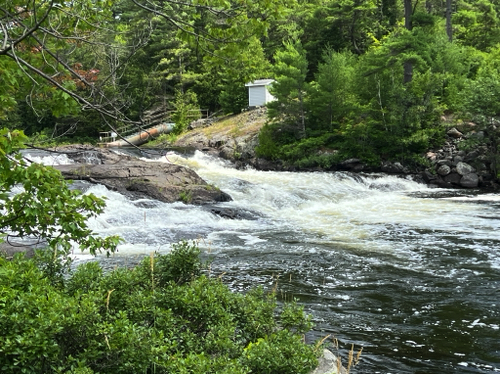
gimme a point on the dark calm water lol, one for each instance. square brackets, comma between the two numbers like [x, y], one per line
[410, 274]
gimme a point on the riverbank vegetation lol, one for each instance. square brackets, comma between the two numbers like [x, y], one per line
[166, 315]
[362, 79]
[372, 80]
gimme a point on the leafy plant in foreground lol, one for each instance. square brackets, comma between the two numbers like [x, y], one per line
[44, 207]
[164, 316]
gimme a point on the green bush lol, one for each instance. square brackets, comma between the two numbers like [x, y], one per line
[164, 316]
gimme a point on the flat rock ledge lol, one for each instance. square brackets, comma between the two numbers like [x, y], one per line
[141, 179]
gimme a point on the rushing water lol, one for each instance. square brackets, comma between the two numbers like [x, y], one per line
[410, 274]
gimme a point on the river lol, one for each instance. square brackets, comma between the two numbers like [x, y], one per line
[408, 273]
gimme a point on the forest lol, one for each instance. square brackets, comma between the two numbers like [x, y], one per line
[372, 79]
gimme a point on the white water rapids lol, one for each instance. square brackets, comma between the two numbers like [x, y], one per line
[410, 273]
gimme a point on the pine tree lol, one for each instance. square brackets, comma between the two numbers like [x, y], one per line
[290, 88]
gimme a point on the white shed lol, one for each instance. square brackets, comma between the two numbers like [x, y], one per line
[258, 93]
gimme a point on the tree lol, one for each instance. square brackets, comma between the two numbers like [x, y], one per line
[449, 26]
[290, 70]
[331, 93]
[38, 40]
[250, 65]
[477, 24]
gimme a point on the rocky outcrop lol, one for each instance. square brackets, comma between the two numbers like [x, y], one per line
[8, 250]
[236, 142]
[137, 178]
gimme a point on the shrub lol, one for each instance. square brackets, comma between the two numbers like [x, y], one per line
[164, 316]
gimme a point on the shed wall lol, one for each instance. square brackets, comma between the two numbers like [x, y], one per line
[257, 95]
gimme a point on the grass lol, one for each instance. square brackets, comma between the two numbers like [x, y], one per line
[235, 125]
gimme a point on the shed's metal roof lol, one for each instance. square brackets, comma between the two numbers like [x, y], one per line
[260, 82]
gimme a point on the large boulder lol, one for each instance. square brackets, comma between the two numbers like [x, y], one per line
[444, 170]
[138, 178]
[9, 250]
[470, 180]
[464, 168]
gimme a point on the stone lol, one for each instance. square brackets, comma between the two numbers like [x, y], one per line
[431, 156]
[456, 160]
[328, 364]
[137, 178]
[428, 176]
[454, 133]
[444, 170]
[453, 178]
[470, 180]
[200, 123]
[9, 250]
[392, 168]
[477, 135]
[445, 161]
[464, 168]
[353, 164]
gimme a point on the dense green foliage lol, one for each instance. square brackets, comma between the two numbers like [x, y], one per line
[163, 316]
[362, 79]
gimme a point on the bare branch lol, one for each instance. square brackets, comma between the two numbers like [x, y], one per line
[6, 49]
[74, 95]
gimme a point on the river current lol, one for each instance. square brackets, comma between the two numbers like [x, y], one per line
[409, 273]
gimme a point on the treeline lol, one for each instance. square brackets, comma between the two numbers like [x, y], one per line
[383, 83]
[362, 78]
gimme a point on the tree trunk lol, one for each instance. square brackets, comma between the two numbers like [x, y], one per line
[449, 30]
[408, 14]
[408, 72]
[408, 66]
[302, 129]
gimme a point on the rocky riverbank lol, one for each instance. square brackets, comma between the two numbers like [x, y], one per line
[463, 161]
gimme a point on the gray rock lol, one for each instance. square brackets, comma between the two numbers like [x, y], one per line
[444, 170]
[446, 161]
[456, 160]
[392, 167]
[464, 168]
[453, 178]
[428, 176]
[328, 364]
[470, 180]
[136, 178]
[200, 123]
[352, 164]
[471, 156]
[477, 135]
[9, 250]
